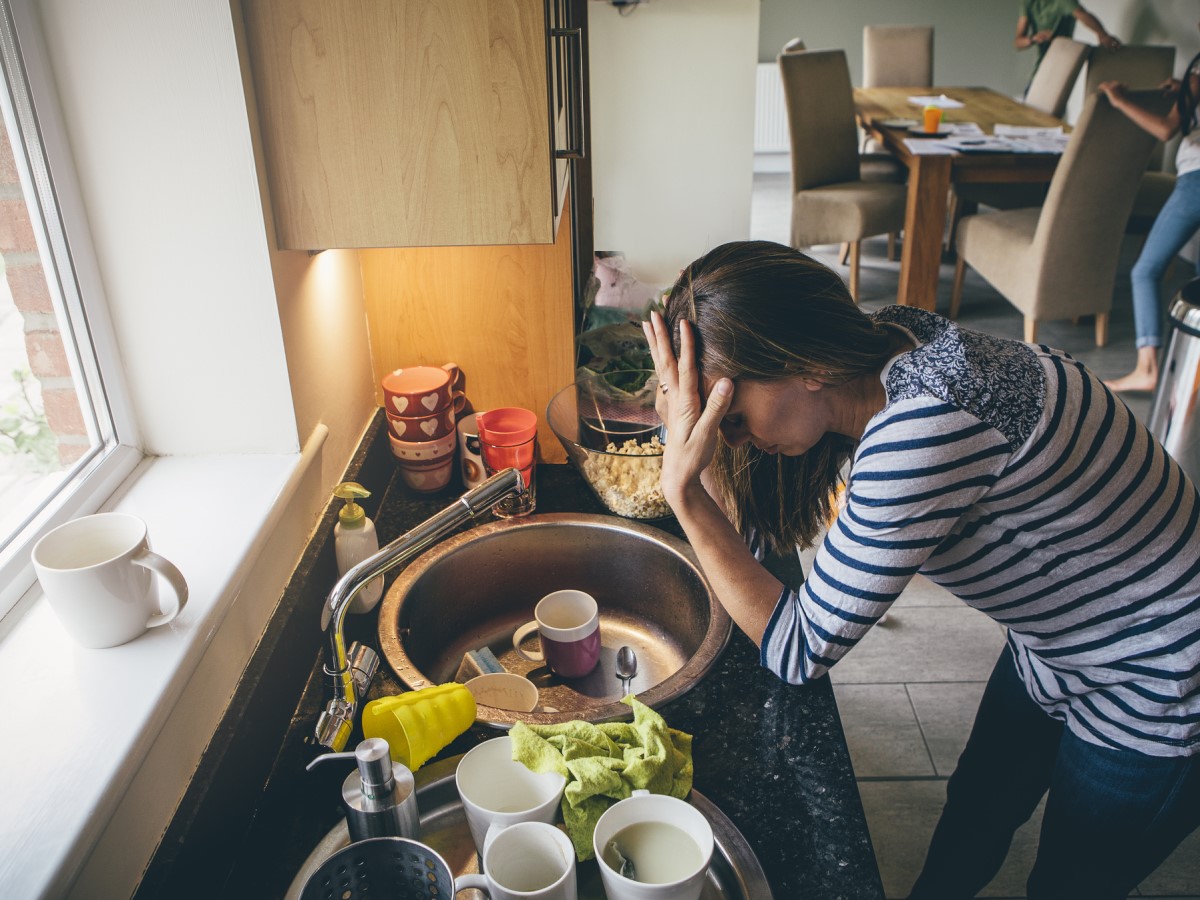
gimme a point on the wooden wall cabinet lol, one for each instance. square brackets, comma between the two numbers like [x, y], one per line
[414, 123]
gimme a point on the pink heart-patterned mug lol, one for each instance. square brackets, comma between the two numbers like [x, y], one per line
[425, 428]
[416, 391]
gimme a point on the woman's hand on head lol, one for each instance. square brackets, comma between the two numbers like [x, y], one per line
[692, 423]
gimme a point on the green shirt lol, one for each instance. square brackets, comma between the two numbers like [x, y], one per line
[1050, 15]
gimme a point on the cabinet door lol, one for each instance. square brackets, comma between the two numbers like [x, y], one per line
[404, 123]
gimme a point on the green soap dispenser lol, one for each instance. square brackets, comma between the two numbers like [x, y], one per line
[354, 539]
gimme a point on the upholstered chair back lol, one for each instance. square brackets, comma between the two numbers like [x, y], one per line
[820, 109]
[1055, 77]
[897, 56]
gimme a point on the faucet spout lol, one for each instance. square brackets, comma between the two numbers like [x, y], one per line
[351, 671]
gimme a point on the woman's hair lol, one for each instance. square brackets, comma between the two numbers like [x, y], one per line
[761, 311]
[1186, 100]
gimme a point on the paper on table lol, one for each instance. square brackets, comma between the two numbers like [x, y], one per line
[941, 101]
[921, 147]
[982, 144]
[1049, 143]
[964, 127]
[1027, 130]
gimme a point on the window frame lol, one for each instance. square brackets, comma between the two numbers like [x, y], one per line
[40, 145]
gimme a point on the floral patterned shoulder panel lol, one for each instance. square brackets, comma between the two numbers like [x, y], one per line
[1000, 382]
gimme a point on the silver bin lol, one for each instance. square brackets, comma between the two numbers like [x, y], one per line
[1175, 412]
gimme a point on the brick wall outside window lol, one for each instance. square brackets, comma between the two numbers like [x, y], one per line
[43, 339]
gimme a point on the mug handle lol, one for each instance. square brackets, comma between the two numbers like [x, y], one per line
[458, 400]
[465, 882]
[455, 374]
[519, 635]
[148, 559]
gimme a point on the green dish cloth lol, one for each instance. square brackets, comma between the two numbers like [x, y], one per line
[605, 763]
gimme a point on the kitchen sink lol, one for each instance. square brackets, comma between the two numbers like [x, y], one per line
[475, 589]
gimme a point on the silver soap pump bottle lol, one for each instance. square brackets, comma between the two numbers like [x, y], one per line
[380, 797]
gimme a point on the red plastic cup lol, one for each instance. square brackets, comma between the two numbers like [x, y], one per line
[519, 457]
[507, 426]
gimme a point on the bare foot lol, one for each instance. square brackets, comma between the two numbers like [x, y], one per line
[1134, 381]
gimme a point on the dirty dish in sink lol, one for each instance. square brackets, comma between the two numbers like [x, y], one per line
[476, 588]
[734, 873]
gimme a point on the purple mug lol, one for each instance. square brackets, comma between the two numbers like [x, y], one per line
[568, 625]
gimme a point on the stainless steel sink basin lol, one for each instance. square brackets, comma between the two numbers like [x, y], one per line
[476, 588]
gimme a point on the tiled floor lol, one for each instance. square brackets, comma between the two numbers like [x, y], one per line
[906, 711]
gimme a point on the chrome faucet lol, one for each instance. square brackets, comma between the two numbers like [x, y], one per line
[352, 671]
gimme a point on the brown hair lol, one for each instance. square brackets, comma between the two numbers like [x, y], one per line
[761, 311]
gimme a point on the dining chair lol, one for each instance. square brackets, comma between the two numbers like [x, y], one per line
[831, 200]
[897, 56]
[894, 56]
[1055, 76]
[1139, 67]
[876, 164]
[1059, 261]
[1049, 91]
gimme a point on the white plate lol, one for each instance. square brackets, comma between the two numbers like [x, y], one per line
[897, 123]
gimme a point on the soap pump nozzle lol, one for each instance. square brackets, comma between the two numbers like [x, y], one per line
[380, 797]
[351, 515]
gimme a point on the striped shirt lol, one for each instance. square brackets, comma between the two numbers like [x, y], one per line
[1009, 475]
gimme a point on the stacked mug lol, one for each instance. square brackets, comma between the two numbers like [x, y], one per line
[422, 403]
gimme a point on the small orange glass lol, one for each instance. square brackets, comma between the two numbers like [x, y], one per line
[933, 119]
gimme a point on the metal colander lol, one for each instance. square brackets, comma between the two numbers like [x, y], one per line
[392, 867]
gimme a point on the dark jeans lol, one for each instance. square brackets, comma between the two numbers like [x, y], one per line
[1111, 815]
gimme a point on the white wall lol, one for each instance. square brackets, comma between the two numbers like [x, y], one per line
[972, 42]
[672, 93]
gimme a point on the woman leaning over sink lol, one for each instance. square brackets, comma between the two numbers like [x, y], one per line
[1005, 472]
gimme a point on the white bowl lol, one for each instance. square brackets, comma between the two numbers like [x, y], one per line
[504, 690]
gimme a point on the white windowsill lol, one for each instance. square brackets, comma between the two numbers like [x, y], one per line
[80, 722]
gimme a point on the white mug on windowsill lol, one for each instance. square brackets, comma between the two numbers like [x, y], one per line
[97, 573]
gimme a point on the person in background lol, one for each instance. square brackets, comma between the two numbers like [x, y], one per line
[1178, 220]
[1003, 471]
[1041, 21]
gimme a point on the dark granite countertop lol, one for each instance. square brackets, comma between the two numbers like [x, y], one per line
[771, 756]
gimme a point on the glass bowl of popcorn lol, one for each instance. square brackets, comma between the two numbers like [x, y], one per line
[607, 424]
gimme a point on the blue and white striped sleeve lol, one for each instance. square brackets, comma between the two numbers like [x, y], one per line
[921, 465]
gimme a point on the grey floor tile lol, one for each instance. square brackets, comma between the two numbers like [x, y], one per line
[923, 644]
[882, 731]
[901, 816]
[1179, 874]
[923, 592]
[945, 713]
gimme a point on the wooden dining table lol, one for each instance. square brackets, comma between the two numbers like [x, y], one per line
[930, 175]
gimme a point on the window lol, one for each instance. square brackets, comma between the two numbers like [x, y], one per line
[65, 438]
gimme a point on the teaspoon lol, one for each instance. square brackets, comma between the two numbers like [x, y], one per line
[626, 666]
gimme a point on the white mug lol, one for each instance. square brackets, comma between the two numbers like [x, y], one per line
[497, 791]
[469, 458]
[525, 861]
[669, 842]
[96, 572]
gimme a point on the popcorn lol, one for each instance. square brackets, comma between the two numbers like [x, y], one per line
[626, 484]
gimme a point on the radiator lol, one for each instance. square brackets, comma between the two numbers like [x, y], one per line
[770, 111]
